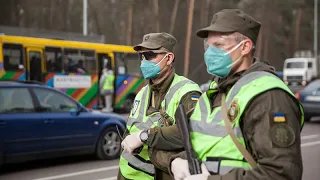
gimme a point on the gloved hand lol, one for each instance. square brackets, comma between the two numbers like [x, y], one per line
[180, 168]
[203, 176]
[131, 142]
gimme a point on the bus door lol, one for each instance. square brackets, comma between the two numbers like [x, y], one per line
[104, 60]
[35, 64]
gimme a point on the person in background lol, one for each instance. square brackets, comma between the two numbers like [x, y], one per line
[107, 87]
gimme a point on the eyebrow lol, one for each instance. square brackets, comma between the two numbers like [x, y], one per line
[218, 42]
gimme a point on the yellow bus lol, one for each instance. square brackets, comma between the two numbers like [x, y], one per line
[56, 63]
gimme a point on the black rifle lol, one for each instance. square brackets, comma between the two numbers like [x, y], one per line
[181, 120]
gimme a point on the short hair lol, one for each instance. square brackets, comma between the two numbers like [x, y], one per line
[238, 37]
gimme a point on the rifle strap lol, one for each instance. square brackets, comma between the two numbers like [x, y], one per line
[227, 123]
[153, 104]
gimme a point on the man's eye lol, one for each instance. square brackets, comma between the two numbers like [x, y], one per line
[218, 45]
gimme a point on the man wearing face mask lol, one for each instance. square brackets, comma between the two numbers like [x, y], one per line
[247, 125]
[152, 116]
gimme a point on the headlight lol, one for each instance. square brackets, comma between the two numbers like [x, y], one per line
[303, 83]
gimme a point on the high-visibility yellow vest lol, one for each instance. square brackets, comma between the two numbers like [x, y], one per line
[139, 166]
[108, 82]
[208, 133]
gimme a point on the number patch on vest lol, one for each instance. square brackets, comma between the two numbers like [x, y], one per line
[135, 107]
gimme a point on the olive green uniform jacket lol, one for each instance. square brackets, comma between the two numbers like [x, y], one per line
[166, 141]
[280, 163]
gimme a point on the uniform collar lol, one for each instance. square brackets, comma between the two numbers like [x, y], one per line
[164, 85]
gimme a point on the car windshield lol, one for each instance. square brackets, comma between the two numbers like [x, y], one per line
[313, 86]
[295, 65]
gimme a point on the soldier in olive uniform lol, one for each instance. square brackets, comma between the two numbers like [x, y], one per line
[265, 117]
[156, 103]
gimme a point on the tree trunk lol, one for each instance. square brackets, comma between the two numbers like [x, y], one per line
[297, 29]
[129, 28]
[188, 38]
[174, 16]
[156, 14]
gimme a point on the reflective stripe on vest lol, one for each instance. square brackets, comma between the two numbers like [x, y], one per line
[214, 167]
[140, 163]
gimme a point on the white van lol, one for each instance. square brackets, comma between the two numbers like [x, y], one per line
[299, 70]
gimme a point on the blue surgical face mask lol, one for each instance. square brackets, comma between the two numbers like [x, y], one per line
[149, 69]
[219, 62]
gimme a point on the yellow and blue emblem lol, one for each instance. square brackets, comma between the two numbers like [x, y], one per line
[279, 117]
[195, 98]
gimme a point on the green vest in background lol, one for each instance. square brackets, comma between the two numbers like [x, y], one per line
[108, 82]
[208, 134]
[139, 166]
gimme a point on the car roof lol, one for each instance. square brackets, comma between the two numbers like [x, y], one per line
[12, 83]
[27, 84]
[298, 60]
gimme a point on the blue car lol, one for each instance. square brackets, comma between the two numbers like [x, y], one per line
[310, 99]
[37, 122]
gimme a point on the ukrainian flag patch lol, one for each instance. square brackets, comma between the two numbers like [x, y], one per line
[195, 98]
[279, 117]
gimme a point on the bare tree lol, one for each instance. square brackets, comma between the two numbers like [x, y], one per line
[174, 16]
[156, 15]
[188, 38]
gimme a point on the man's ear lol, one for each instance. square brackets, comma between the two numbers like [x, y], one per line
[246, 47]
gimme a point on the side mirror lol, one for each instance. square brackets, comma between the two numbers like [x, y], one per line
[76, 111]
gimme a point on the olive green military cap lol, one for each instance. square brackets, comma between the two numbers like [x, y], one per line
[232, 20]
[155, 41]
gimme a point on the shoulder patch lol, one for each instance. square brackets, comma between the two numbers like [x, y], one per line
[282, 135]
[233, 110]
[135, 107]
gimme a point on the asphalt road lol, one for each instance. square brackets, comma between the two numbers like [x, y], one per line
[88, 168]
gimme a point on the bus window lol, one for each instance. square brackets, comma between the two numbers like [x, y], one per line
[79, 61]
[104, 61]
[89, 60]
[53, 59]
[120, 63]
[133, 64]
[12, 57]
[128, 63]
